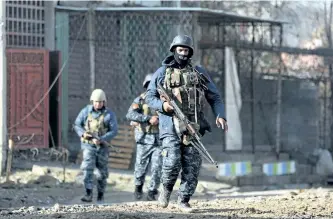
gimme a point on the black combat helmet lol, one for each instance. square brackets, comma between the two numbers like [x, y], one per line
[182, 40]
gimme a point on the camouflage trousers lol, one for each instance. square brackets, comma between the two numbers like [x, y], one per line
[148, 153]
[176, 157]
[95, 157]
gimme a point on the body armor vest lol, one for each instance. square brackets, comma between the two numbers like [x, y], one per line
[94, 126]
[186, 87]
[144, 109]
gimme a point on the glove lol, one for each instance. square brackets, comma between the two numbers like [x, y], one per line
[87, 135]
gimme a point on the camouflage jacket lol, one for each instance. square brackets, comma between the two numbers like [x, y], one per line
[139, 114]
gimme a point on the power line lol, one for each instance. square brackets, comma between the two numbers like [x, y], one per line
[54, 81]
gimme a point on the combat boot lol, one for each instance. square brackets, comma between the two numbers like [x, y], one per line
[164, 197]
[184, 206]
[88, 197]
[151, 195]
[100, 197]
[138, 192]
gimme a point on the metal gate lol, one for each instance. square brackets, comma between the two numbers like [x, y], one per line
[28, 81]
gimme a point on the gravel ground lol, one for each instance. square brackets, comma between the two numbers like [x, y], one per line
[306, 204]
[26, 195]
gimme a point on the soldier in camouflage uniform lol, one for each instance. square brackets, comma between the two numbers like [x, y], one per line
[187, 85]
[148, 144]
[95, 119]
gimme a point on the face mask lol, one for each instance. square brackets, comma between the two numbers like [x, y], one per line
[181, 59]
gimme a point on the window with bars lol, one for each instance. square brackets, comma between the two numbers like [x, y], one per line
[25, 24]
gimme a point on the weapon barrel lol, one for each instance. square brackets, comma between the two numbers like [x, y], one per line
[180, 115]
[98, 138]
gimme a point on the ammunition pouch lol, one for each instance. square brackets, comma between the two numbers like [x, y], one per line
[147, 128]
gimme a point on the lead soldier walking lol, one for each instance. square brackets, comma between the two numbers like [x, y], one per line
[187, 85]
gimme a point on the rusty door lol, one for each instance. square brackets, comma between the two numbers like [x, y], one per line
[28, 81]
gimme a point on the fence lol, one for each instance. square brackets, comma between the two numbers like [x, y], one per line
[114, 49]
[280, 88]
[303, 91]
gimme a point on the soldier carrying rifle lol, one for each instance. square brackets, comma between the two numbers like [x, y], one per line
[186, 85]
[148, 149]
[96, 125]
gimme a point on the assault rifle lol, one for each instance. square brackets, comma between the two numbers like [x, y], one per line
[98, 138]
[195, 139]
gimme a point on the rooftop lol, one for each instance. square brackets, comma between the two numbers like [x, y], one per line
[205, 14]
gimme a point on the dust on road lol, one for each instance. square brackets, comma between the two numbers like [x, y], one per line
[26, 195]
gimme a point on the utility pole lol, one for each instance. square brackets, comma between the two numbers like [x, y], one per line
[328, 30]
[3, 88]
[178, 5]
[91, 32]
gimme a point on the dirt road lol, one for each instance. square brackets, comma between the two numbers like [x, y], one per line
[26, 196]
[307, 204]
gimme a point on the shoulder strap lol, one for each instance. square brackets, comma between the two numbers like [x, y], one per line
[167, 72]
[142, 97]
[101, 117]
[89, 116]
[203, 78]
